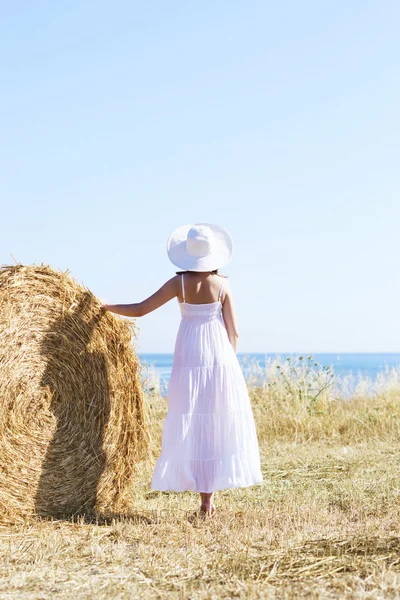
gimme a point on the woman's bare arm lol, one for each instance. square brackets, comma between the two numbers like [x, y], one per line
[228, 312]
[168, 291]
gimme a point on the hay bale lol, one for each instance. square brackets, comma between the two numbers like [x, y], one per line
[72, 423]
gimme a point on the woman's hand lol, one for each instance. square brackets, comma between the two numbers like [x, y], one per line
[103, 304]
[124, 310]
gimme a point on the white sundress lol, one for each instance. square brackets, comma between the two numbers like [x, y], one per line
[209, 439]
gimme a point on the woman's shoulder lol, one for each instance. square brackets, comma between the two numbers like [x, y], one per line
[172, 281]
[222, 276]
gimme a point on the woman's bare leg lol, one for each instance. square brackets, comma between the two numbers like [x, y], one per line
[207, 502]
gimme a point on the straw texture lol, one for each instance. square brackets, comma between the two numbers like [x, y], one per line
[72, 423]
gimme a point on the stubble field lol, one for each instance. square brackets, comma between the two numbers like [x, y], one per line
[323, 524]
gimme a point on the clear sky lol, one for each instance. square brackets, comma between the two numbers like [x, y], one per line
[280, 121]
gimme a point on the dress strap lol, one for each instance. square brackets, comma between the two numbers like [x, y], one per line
[220, 290]
[183, 289]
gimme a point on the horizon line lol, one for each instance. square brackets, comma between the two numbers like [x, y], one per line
[296, 352]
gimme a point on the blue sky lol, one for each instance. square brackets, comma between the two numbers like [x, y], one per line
[280, 121]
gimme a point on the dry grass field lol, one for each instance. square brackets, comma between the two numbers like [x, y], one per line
[325, 522]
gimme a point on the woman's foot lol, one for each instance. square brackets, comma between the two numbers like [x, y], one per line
[207, 504]
[203, 512]
[208, 509]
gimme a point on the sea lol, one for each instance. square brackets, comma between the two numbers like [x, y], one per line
[157, 367]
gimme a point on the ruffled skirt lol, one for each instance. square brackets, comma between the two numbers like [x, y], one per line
[209, 439]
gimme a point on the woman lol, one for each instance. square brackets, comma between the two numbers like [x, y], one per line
[209, 439]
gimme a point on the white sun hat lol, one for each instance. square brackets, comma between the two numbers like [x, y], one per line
[200, 247]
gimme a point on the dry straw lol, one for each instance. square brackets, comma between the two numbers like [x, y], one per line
[72, 422]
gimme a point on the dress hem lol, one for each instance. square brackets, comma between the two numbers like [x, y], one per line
[215, 489]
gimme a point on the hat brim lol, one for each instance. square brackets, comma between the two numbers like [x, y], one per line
[218, 258]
